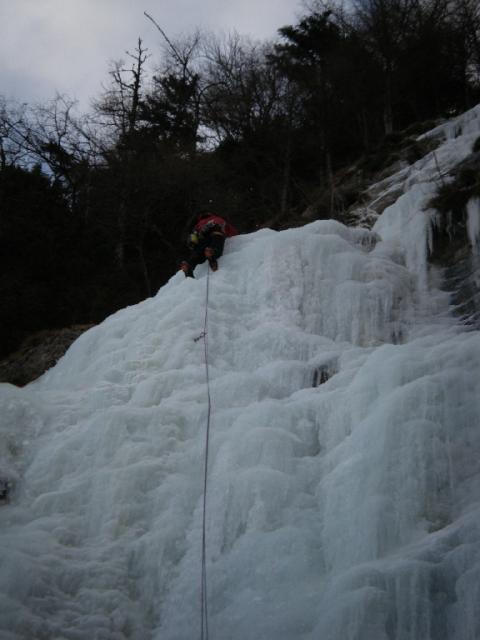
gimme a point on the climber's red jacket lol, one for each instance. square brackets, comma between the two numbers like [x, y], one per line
[212, 223]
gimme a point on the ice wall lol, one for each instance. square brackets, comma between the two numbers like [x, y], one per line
[344, 482]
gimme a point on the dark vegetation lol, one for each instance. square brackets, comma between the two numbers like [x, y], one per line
[458, 188]
[94, 208]
[450, 243]
[450, 235]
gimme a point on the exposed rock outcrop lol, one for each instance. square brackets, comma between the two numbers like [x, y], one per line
[38, 353]
[455, 244]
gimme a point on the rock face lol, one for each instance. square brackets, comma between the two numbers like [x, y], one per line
[39, 352]
[454, 211]
[455, 242]
[461, 271]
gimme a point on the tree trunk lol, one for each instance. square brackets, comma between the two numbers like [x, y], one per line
[286, 172]
[364, 130]
[120, 243]
[143, 264]
[330, 181]
[3, 156]
[388, 109]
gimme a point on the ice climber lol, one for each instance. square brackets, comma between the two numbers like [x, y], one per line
[206, 241]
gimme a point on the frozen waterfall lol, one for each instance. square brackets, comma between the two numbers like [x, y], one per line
[344, 478]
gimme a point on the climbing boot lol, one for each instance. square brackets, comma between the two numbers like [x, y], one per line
[210, 255]
[186, 268]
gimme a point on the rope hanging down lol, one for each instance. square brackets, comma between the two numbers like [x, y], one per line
[204, 603]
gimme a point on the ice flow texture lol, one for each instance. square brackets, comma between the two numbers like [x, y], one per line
[344, 481]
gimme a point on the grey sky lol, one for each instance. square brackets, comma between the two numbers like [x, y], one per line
[66, 45]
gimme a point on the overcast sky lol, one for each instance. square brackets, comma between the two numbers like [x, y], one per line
[66, 45]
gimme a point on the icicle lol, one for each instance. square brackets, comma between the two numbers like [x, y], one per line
[473, 223]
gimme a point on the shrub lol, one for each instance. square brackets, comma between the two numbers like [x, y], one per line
[452, 197]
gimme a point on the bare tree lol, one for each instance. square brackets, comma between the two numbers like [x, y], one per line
[384, 24]
[12, 118]
[49, 134]
[118, 107]
[179, 91]
[466, 16]
[242, 90]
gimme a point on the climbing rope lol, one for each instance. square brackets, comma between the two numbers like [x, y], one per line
[204, 603]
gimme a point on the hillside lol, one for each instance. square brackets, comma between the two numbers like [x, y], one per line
[343, 474]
